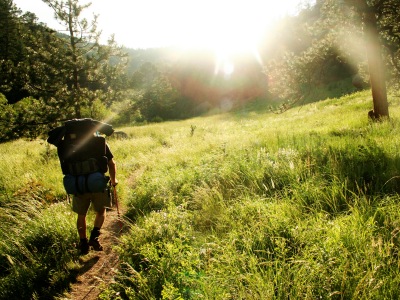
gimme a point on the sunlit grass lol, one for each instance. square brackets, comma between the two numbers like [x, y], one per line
[37, 249]
[243, 205]
[296, 205]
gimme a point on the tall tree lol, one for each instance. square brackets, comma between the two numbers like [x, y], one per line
[90, 68]
[10, 46]
[373, 22]
[12, 52]
[369, 11]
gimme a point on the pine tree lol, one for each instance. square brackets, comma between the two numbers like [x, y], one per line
[89, 69]
[12, 53]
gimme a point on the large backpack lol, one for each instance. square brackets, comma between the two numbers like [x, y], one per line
[81, 153]
[79, 150]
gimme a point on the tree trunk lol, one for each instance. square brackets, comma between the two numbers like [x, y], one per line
[75, 78]
[375, 65]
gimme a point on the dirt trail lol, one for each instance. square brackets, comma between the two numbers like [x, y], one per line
[98, 268]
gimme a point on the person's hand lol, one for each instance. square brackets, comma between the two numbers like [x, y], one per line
[114, 183]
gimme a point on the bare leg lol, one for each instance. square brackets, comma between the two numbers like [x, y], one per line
[94, 235]
[81, 225]
[100, 217]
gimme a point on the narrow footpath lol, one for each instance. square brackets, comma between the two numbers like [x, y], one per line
[99, 268]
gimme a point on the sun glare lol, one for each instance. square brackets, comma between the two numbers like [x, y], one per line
[223, 64]
[228, 28]
[229, 25]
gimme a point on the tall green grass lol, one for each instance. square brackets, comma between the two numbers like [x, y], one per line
[38, 255]
[36, 247]
[243, 205]
[254, 205]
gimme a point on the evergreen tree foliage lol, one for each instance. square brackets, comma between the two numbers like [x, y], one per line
[89, 68]
[65, 73]
[12, 52]
[159, 99]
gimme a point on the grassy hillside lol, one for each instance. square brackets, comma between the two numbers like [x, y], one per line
[245, 205]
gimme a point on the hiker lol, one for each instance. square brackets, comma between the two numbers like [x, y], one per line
[85, 158]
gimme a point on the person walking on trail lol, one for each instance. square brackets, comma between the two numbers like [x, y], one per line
[85, 158]
[99, 201]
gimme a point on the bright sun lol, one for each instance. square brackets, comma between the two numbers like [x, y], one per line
[226, 27]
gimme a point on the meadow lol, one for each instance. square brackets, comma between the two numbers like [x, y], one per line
[242, 205]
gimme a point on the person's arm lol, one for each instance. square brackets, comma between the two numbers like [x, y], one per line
[112, 170]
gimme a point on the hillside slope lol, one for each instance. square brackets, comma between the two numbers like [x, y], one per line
[243, 205]
[254, 205]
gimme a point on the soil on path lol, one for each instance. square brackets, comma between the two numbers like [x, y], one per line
[99, 268]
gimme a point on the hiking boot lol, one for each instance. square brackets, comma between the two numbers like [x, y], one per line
[94, 243]
[84, 247]
[94, 239]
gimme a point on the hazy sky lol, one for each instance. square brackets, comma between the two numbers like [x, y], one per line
[220, 24]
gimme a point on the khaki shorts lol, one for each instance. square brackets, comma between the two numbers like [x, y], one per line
[99, 201]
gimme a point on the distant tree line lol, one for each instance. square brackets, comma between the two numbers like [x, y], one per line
[48, 76]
